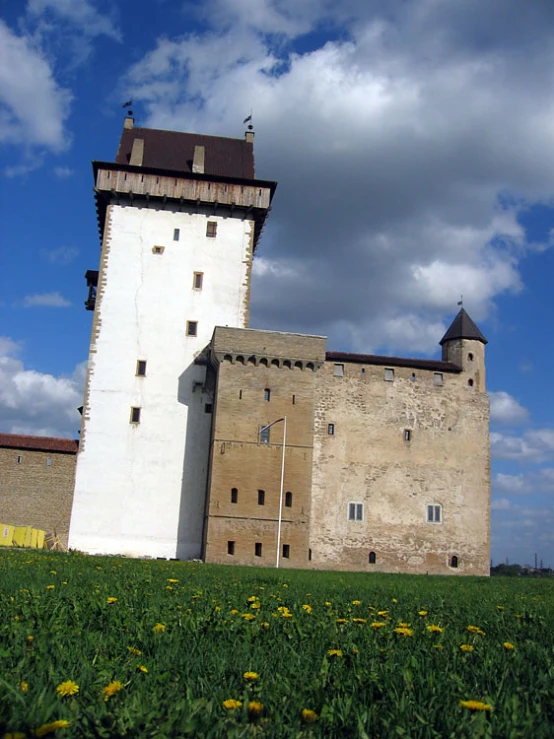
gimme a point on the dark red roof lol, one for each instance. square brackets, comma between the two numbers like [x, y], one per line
[426, 364]
[39, 443]
[174, 150]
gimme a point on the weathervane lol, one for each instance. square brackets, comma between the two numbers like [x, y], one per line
[249, 118]
[461, 301]
[126, 105]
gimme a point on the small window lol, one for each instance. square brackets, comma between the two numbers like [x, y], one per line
[230, 547]
[176, 234]
[338, 370]
[470, 382]
[211, 229]
[434, 513]
[437, 379]
[141, 367]
[264, 435]
[363, 370]
[240, 394]
[158, 250]
[454, 561]
[258, 549]
[470, 359]
[208, 408]
[49, 461]
[197, 281]
[286, 551]
[135, 415]
[294, 399]
[331, 429]
[261, 497]
[288, 500]
[234, 495]
[309, 555]
[407, 434]
[414, 378]
[267, 394]
[389, 374]
[19, 459]
[372, 558]
[192, 328]
[355, 511]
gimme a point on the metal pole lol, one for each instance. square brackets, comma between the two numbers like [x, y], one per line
[281, 491]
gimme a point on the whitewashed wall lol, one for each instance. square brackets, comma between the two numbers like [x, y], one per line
[140, 489]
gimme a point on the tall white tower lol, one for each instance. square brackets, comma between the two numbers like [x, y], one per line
[180, 215]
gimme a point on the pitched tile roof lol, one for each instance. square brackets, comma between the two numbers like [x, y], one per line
[462, 327]
[426, 364]
[39, 443]
[174, 150]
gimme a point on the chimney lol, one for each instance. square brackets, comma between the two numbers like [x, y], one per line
[137, 152]
[249, 137]
[129, 122]
[198, 160]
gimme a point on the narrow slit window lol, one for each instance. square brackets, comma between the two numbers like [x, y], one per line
[198, 280]
[288, 500]
[211, 229]
[261, 497]
[389, 374]
[267, 394]
[309, 555]
[414, 378]
[407, 434]
[234, 495]
[135, 415]
[141, 367]
[454, 561]
[331, 429]
[49, 461]
[176, 234]
[240, 394]
[192, 328]
[338, 370]
[294, 399]
[258, 549]
[438, 379]
[372, 558]
[19, 459]
[230, 547]
[286, 551]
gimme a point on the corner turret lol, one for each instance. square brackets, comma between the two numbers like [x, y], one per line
[464, 345]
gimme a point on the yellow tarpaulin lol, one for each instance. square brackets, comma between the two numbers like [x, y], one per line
[21, 536]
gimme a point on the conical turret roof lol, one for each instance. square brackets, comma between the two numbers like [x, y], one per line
[462, 327]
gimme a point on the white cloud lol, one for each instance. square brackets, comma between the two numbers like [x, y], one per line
[33, 402]
[534, 446]
[33, 107]
[63, 173]
[80, 13]
[505, 409]
[502, 504]
[62, 255]
[540, 481]
[46, 300]
[394, 150]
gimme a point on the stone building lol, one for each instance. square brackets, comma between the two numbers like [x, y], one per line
[37, 476]
[385, 464]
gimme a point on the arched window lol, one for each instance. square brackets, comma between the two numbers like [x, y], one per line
[263, 361]
[470, 382]
[372, 558]
[470, 357]
[288, 500]
[274, 362]
[299, 365]
[453, 561]
[286, 363]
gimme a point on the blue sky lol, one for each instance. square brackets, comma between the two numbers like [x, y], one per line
[413, 143]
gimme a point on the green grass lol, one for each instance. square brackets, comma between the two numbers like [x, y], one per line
[384, 685]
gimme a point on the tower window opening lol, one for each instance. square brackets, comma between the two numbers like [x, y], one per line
[261, 497]
[240, 394]
[470, 357]
[49, 461]
[192, 328]
[234, 495]
[230, 547]
[434, 513]
[264, 435]
[372, 558]
[19, 459]
[158, 250]
[355, 511]
[294, 399]
[197, 281]
[470, 382]
[309, 555]
[407, 434]
[454, 561]
[176, 234]
[258, 549]
[208, 407]
[338, 370]
[438, 380]
[135, 415]
[331, 429]
[211, 229]
[267, 394]
[414, 378]
[286, 551]
[141, 368]
[288, 500]
[389, 374]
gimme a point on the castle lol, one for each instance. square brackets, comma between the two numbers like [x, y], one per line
[202, 438]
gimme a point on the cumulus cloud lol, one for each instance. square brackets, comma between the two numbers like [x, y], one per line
[534, 446]
[45, 300]
[505, 409]
[540, 481]
[36, 403]
[404, 152]
[82, 14]
[62, 255]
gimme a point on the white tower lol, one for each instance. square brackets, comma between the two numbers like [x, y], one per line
[180, 215]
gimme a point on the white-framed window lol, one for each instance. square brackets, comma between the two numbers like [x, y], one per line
[438, 380]
[264, 435]
[176, 234]
[49, 461]
[389, 374]
[355, 511]
[338, 370]
[434, 513]
[197, 280]
[19, 459]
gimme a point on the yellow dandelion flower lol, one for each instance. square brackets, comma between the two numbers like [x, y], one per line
[434, 629]
[356, 602]
[518, 615]
[466, 647]
[67, 688]
[169, 587]
[507, 645]
[403, 625]
[422, 613]
[53, 572]
[52, 727]
[217, 608]
[230, 704]
[248, 616]
[355, 651]
[499, 608]
[307, 608]
[29, 639]
[287, 615]
[476, 705]
[378, 624]
[359, 620]
[328, 603]
[24, 686]
[256, 605]
[335, 653]
[253, 599]
[265, 624]
[112, 688]
[341, 621]
[251, 676]
[50, 587]
[255, 708]
[111, 599]
[134, 651]
[438, 646]
[382, 613]
[395, 600]
[308, 716]
[404, 631]
[476, 630]
[142, 668]
[158, 627]
[234, 611]
[172, 580]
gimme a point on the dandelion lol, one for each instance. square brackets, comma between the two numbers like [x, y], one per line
[24, 686]
[335, 653]
[404, 631]
[111, 599]
[395, 600]
[172, 580]
[328, 603]
[53, 572]
[52, 727]
[466, 647]
[50, 587]
[169, 587]
[134, 651]
[359, 620]
[255, 708]
[288, 614]
[67, 688]
[476, 705]
[422, 613]
[438, 646]
[507, 645]
[29, 639]
[378, 624]
[308, 716]
[158, 627]
[230, 704]
[307, 608]
[499, 608]
[382, 613]
[341, 621]
[356, 602]
[256, 605]
[476, 630]
[403, 625]
[253, 599]
[265, 624]
[234, 611]
[112, 688]
[518, 615]
[434, 629]
[251, 676]
[248, 616]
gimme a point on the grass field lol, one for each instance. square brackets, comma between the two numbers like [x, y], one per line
[116, 647]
